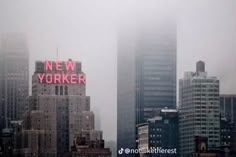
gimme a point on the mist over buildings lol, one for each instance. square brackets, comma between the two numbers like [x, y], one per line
[88, 31]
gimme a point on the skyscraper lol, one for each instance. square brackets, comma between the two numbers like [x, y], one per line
[199, 107]
[59, 91]
[146, 77]
[58, 88]
[14, 77]
[126, 110]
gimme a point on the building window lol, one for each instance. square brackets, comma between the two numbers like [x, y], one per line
[66, 90]
[56, 90]
[61, 90]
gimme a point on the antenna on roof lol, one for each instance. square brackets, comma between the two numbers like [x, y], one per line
[57, 53]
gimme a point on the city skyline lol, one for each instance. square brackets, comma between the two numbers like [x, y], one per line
[90, 45]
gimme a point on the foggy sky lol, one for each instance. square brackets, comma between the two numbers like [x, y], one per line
[86, 30]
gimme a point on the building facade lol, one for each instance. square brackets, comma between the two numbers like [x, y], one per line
[199, 107]
[226, 132]
[89, 143]
[14, 78]
[30, 136]
[228, 107]
[58, 90]
[146, 78]
[160, 132]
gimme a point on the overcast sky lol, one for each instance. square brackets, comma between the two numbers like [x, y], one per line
[86, 30]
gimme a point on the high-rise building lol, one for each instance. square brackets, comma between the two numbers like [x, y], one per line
[59, 91]
[228, 107]
[14, 77]
[146, 77]
[199, 109]
[60, 104]
[160, 131]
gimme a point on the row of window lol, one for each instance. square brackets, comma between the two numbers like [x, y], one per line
[59, 90]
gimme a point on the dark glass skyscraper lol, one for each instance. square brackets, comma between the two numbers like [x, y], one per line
[155, 72]
[146, 77]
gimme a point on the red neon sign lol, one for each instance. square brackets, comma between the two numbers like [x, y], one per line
[61, 72]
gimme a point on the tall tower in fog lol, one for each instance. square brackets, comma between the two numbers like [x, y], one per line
[146, 76]
[14, 77]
